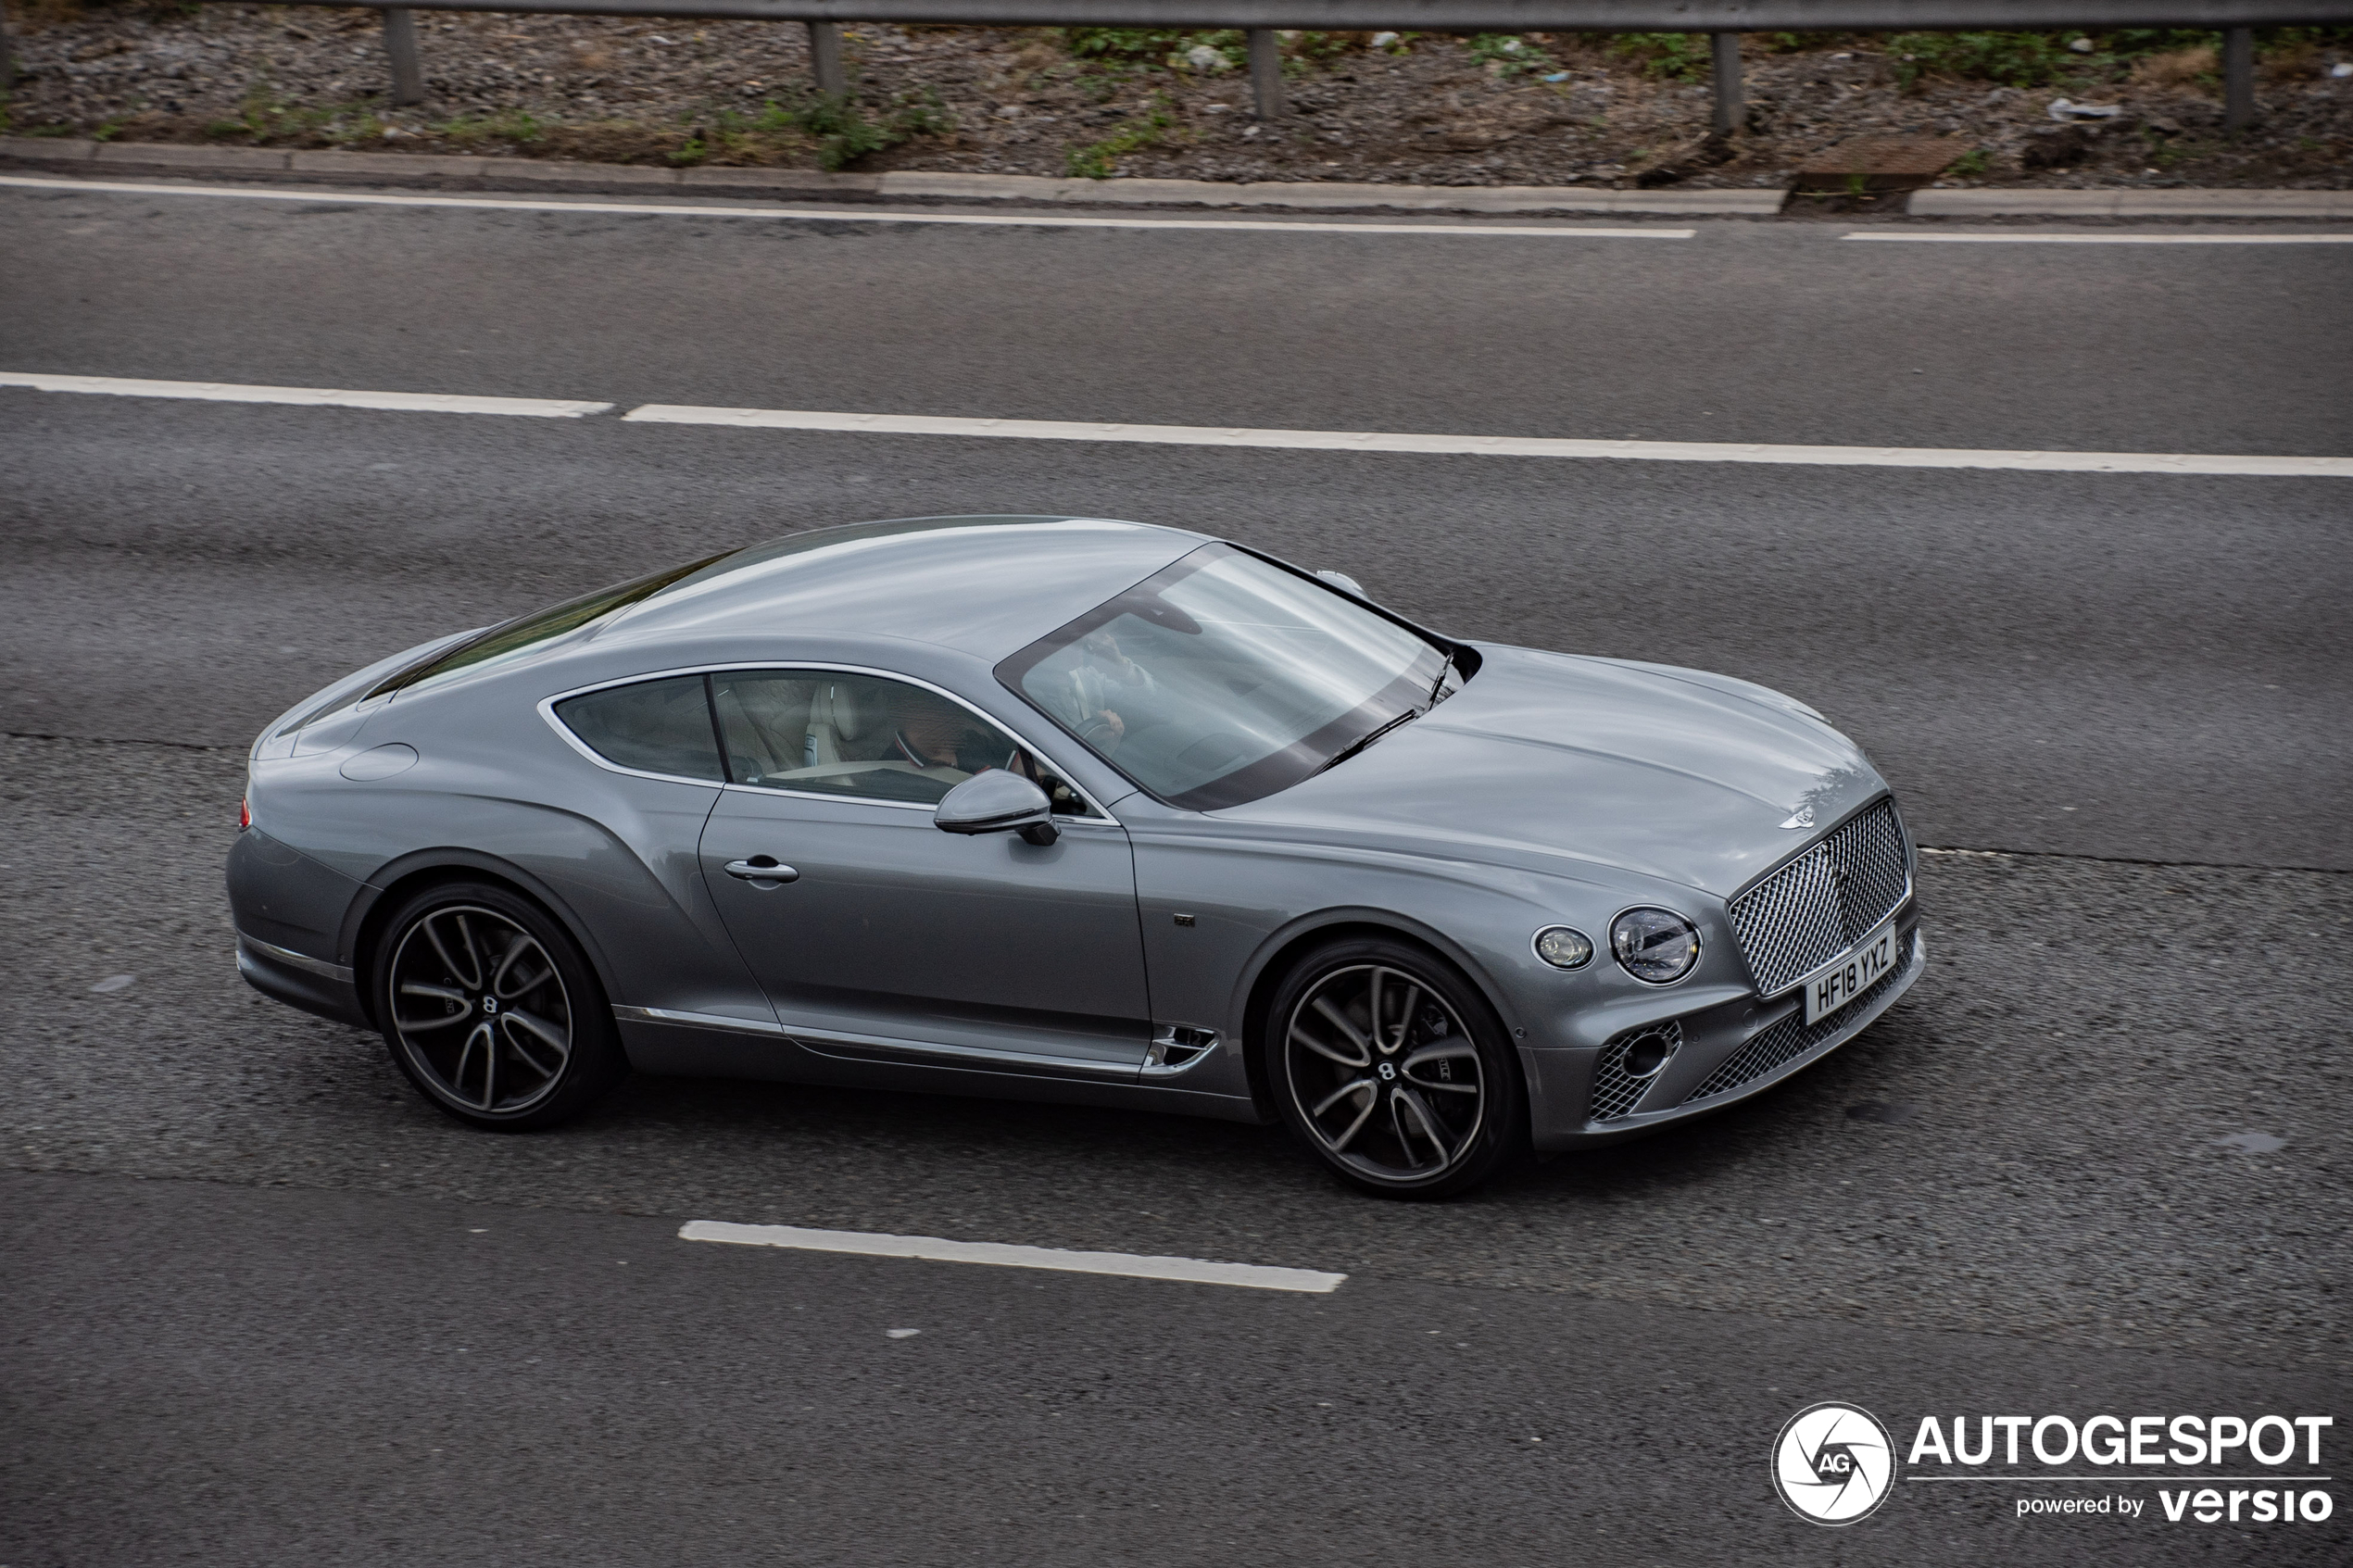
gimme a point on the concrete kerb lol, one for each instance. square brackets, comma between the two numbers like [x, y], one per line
[2132, 204]
[489, 174]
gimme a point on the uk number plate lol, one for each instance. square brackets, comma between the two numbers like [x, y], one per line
[1862, 969]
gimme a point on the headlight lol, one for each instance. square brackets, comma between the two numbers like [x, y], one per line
[1657, 946]
[1562, 948]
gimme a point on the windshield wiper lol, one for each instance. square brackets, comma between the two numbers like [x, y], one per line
[1437, 692]
[1361, 742]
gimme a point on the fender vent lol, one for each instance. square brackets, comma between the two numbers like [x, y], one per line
[1176, 1047]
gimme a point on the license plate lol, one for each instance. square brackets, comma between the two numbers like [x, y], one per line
[1862, 969]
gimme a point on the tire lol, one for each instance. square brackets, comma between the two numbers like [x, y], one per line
[490, 1009]
[1447, 1108]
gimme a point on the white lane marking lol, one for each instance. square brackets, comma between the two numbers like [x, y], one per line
[1191, 1270]
[1497, 445]
[2047, 239]
[315, 396]
[855, 215]
[1227, 436]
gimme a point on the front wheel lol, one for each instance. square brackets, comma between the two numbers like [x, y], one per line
[491, 1009]
[1394, 1069]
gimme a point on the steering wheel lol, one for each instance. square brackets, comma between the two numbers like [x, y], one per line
[1100, 734]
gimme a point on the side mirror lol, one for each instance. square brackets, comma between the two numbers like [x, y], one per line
[1341, 580]
[997, 801]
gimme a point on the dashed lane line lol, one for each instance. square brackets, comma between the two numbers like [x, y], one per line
[2048, 238]
[1499, 445]
[1193, 1270]
[854, 215]
[1232, 436]
[312, 396]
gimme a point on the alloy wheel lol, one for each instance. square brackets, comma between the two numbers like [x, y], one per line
[1384, 1074]
[480, 1010]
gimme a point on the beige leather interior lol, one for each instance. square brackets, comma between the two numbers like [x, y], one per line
[765, 720]
[783, 728]
[838, 719]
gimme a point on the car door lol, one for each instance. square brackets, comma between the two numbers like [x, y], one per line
[879, 936]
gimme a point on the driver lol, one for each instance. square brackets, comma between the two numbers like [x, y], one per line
[933, 734]
[1103, 674]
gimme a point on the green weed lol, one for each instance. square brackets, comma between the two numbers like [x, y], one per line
[2039, 59]
[1097, 161]
[2014, 59]
[1507, 54]
[1302, 49]
[1971, 164]
[502, 125]
[841, 128]
[1677, 56]
[264, 115]
[1135, 48]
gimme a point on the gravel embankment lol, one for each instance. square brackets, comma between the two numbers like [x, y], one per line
[1427, 109]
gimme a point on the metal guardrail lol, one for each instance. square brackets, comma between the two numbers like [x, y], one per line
[1724, 19]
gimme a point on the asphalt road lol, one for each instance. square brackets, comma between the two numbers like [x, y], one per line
[258, 1304]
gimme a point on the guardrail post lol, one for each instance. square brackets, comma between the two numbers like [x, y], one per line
[2238, 78]
[824, 55]
[1266, 73]
[1727, 49]
[400, 43]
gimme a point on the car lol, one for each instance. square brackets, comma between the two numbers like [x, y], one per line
[1077, 810]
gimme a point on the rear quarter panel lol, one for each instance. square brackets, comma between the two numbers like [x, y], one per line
[494, 789]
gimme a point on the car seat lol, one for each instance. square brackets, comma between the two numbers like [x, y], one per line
[838, 720]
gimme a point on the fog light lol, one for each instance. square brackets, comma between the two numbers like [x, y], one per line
[1646, 1053]
[1656, 945]
[1564, 948]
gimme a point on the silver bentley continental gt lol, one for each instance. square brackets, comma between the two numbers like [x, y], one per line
[1070, 809]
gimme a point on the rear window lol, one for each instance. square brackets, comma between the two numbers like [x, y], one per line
[655, 726]
[516, 638]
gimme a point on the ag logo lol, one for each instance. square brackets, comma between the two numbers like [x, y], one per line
[1833, 1463]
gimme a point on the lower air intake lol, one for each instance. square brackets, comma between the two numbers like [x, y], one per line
[1629, 1065]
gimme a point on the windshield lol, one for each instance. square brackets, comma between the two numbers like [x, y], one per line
[1225, 678]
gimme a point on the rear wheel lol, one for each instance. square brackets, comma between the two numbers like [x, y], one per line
[1394, 1069]
[491, 1009]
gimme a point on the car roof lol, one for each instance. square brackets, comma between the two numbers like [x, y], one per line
[987, 586]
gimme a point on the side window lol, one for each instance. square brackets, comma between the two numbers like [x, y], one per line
[658, 726]
[864, 738]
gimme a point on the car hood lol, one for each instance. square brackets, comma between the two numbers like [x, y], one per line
[1552, 761]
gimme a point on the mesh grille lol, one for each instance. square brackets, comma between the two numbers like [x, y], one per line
[1793, 1036]
[1823, 902]
[1615, 1091]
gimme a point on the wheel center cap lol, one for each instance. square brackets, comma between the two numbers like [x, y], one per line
[490, 1004]
[1388, 1071]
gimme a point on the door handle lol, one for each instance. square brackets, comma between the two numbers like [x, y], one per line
[761, 870]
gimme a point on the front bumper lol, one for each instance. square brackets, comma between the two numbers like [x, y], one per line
[1720, 1056]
